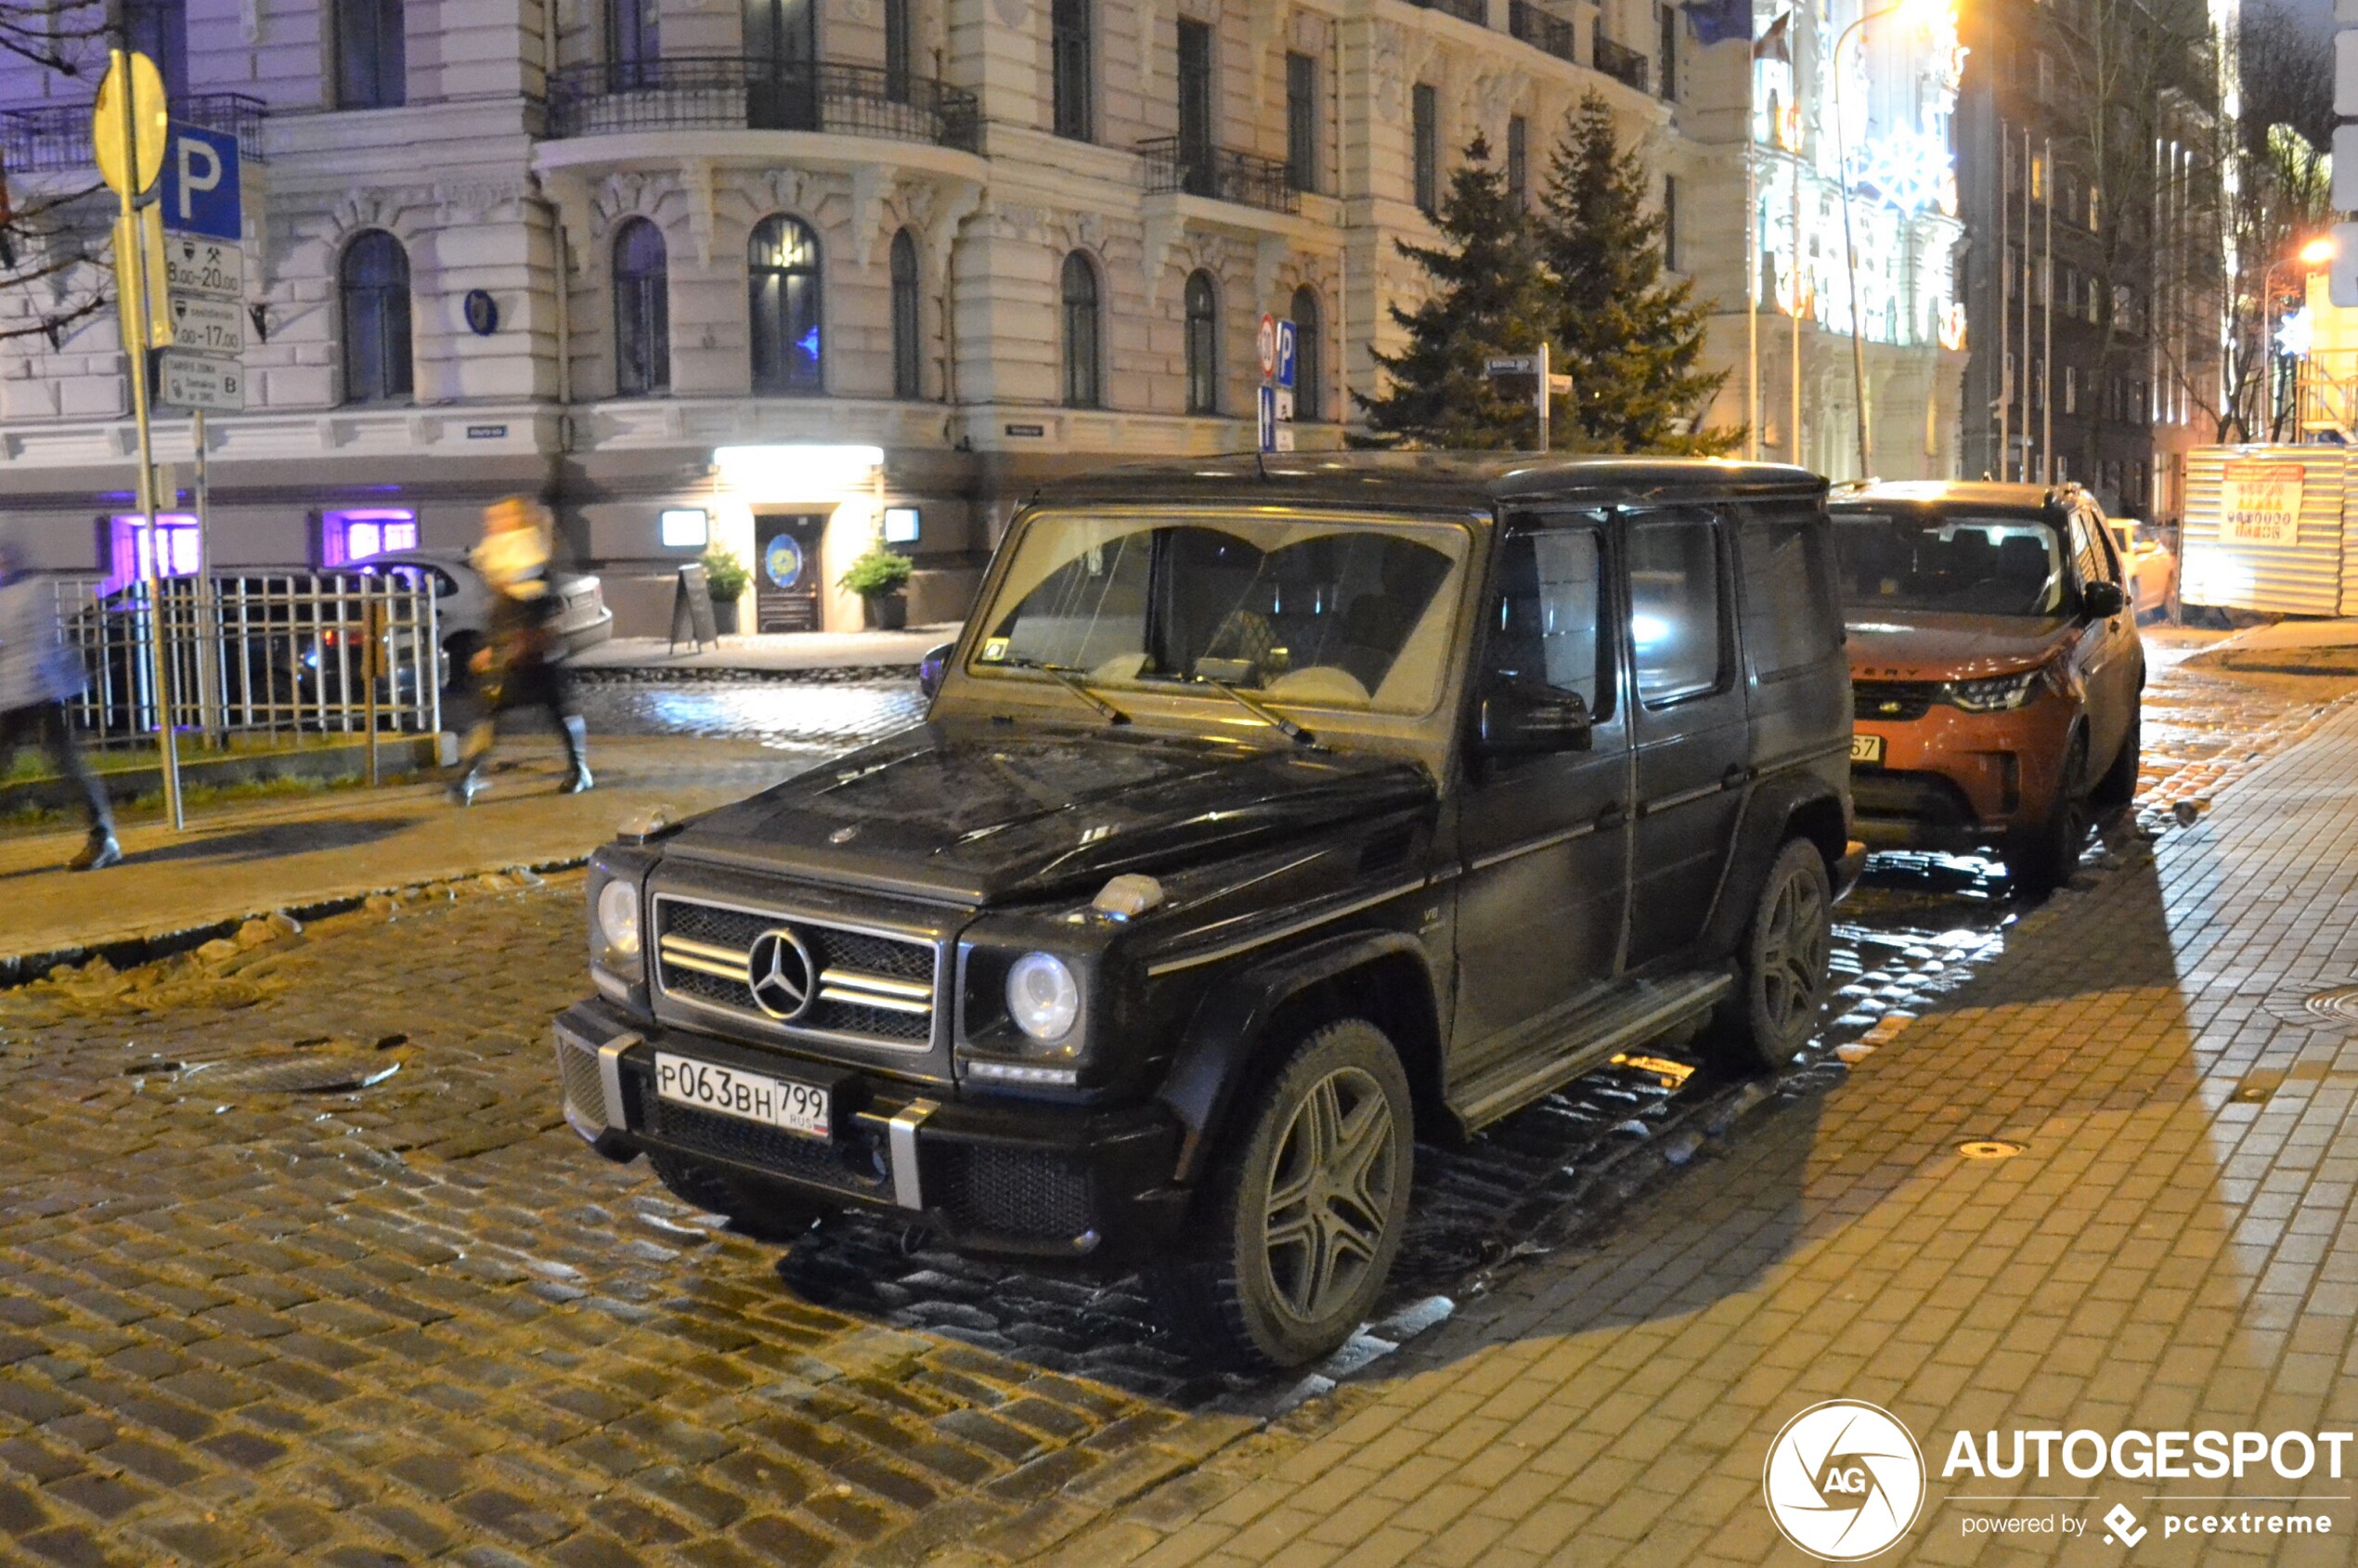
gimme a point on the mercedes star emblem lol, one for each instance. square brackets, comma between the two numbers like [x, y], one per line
[781, 973]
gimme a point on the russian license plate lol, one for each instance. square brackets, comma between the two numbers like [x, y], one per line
[749, 1097]
[1866, 748]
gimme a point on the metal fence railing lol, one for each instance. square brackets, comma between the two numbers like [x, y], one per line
[1223, 173]
[1541, 30]
[272, 654]
[1475, 11]
[720, 92]
[47, 137]
[1619, 62]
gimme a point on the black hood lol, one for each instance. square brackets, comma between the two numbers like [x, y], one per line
[982, 814]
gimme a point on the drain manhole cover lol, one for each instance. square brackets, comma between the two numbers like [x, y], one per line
[1988, 1148]
[294, 1072]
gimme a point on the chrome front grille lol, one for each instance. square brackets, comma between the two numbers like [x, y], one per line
[836, 981]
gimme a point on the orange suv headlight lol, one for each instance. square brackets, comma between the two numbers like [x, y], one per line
[1999, 693]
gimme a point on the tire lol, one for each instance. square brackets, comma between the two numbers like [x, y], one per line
[2118, 786]
[1239, 1298]
[2041, 855]
[1786, 959]
[763, 1212]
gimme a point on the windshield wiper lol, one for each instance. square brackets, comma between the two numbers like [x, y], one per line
[1073, 683]
[1261, 711]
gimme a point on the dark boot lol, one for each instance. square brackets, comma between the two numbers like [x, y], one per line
[101, 851]
[578, 753]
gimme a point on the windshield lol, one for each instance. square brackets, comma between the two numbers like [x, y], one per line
[1319, 613]
[1919, 559]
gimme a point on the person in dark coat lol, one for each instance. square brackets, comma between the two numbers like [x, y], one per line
[39, 675]
[520, 664]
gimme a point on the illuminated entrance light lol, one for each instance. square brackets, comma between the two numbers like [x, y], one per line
[799, 473]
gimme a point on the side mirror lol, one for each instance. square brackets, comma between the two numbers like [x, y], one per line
[2103, 600]
[1525, 721]
[931, 668]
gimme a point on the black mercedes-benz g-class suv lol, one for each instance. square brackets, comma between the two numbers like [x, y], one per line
[1268, 815]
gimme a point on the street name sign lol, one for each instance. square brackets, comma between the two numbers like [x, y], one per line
[200, 381]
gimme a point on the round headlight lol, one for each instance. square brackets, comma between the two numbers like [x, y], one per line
[1041, 996]
[619, 918]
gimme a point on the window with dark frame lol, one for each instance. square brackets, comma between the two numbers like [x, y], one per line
[1301, 120]
[634, 44]
[1072, 71]
[1677, 631]
[783, 305]
[1196, 172]
[641, 311]
[373, 289]
[373, 65]
[897, 49]
[1425, 127]
[1546, 621]
[908, 360]
[1668, 17]
[1518, 159]
[1670, 222]
[1309, 356]
[1203, 345]
[1083, 353]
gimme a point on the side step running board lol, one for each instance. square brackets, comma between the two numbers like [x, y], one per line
[1647, 1009]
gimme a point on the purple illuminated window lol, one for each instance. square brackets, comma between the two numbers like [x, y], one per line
[127, 549]
[347, 537]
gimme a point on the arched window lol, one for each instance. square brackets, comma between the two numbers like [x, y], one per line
[1309, 358]
[784, 308]
[374, 285]
[1203, 345]
[641, 311]
[908, 361]
[1084, 361]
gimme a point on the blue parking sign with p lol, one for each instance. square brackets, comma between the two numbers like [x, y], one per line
[200, 184]
[1285, 354]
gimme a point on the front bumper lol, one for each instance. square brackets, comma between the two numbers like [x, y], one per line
[990, 1176]
[1953, 780]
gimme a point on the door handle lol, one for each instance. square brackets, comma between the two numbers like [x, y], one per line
[1734, 777]
[1612, 816]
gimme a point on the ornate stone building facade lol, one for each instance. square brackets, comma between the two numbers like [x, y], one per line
[795, 264]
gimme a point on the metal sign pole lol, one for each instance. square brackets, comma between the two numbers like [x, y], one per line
[136, 278]
[209, 707]
[1542, 395]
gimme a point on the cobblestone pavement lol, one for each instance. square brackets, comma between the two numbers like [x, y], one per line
[301, 1266]
[2168, 1050]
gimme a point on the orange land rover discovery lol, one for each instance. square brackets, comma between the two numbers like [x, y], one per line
[1995, 669]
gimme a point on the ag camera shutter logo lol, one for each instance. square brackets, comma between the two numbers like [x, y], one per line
[1845, 1481]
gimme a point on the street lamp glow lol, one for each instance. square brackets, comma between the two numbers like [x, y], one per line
[2317, 253]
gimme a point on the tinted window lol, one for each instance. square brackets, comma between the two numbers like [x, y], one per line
[2087, 558]
[1674, 624]
[1788, 616]
[1922, 558]
[1544, 622]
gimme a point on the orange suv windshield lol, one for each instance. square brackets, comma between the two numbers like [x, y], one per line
[1950, 562]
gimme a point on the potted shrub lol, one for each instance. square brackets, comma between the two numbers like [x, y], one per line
[727, 577]
[880, 578]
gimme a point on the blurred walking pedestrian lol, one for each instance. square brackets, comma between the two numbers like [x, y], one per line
[38, 676]
[520, 664]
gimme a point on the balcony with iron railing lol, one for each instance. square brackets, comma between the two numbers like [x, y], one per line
[54, 137]
[741, 93]
[1619, 62]
[1475, 11]
[1542, 30]
[1218, 174]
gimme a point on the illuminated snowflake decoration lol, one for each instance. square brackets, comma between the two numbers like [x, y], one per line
[2296, 333]
[1909, 169]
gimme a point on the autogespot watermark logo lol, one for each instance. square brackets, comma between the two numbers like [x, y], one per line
[1844, 1480]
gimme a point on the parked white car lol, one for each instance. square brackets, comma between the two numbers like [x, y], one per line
[462, 602]
[2148, 566]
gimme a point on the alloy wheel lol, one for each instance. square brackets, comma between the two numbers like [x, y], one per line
[1330, 1191]
[1793, 952]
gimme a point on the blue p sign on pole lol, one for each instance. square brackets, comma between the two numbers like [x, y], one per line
[200, 184]
[1286, 347]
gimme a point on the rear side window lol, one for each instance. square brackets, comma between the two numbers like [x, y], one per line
[1789, 617]
[1677, 631]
